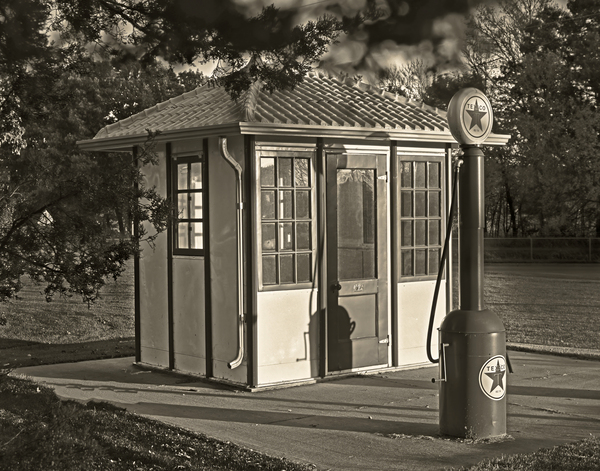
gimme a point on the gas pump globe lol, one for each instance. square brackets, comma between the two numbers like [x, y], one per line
[472, 339]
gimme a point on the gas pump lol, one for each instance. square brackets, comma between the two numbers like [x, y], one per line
[472, 339]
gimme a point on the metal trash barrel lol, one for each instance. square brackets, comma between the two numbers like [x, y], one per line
[473, 364]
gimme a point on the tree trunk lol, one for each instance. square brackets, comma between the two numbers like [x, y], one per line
[511, 209]
[120, 222]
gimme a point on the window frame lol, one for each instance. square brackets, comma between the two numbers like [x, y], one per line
[175, 192]
[414, 158]
[282, 153]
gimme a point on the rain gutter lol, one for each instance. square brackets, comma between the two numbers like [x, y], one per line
[240, 249]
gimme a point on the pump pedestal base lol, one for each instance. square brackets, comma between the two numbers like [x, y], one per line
[473, 397]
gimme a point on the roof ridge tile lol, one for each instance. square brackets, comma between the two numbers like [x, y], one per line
[325, 98]
[250, 101]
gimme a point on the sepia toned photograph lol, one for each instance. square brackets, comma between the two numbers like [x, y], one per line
[297, 235]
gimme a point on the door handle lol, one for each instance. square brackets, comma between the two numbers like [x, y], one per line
[336, 286]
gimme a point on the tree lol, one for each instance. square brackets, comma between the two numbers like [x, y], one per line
[275, 45]
[410, 80]
[267, 46]
[557, 92]
[539, 63]
[444, 86]
[22, 43]
[256, 42]
[61, 209]
[66, 215]
[494, 39]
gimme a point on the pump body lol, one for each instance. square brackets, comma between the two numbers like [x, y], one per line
[473, 395]
[472, 339]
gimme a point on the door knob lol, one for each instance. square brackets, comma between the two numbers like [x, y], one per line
[336, 286]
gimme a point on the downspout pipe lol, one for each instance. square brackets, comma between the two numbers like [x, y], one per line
[240, 249]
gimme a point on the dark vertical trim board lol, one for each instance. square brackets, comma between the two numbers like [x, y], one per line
[208, 340]
[447, 195]
[170, 263]
[331, 274]
[251, 275]
[322, 257]
[136, 274]
[394, 249]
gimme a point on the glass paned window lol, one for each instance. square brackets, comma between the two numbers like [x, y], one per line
[286, 239]
[303, 234]
[406, 176]
[268, 204]
[287, 268]
[420, 261]
[269, 265]
[285, 204]
[285, 172]
[188, 193]
[302, 204]
[304, 267]
[420, 216]
[356, 218]
[420, 174]
[269, 238]
[196, 175]
[267, 172]
[301, 172]
[286, 215]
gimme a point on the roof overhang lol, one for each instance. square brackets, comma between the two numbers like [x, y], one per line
[125, 143]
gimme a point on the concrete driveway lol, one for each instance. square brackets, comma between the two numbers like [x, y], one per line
[378, 422]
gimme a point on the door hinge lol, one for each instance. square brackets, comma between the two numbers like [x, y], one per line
[383, 177]
[385, 340]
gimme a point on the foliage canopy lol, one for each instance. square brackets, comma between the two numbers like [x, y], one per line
[69, 67]
[541, 66]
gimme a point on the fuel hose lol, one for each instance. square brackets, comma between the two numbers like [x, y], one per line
[438, 282]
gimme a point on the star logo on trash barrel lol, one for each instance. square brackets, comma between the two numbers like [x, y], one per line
[492, 378]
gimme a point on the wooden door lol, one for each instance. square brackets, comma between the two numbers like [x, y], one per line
[357, 319]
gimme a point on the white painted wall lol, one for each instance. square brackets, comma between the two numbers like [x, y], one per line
[223, 265]
[189, 338]
[414, 306]
[189, 315]
[154, 339]
[288, 336]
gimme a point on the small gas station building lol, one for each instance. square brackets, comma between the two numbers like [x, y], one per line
[309, 233]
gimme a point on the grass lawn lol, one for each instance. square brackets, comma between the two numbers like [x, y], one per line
[546, 310]
[579, 456]
[35, 332]
[38, 431]
[69, 320]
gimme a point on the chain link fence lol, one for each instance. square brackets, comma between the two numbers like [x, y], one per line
[534, 249]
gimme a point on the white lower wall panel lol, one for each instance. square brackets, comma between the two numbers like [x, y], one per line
[414, 308]
[287, 336]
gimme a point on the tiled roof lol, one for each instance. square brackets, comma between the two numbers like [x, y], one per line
[321, 100]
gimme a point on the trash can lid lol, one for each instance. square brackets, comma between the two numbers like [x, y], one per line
[472, 322]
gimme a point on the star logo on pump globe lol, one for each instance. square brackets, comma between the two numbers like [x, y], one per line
[476, 114]
[492, 378]
[476, 117]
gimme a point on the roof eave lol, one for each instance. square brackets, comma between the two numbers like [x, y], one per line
[125, 143]
[277, 129]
